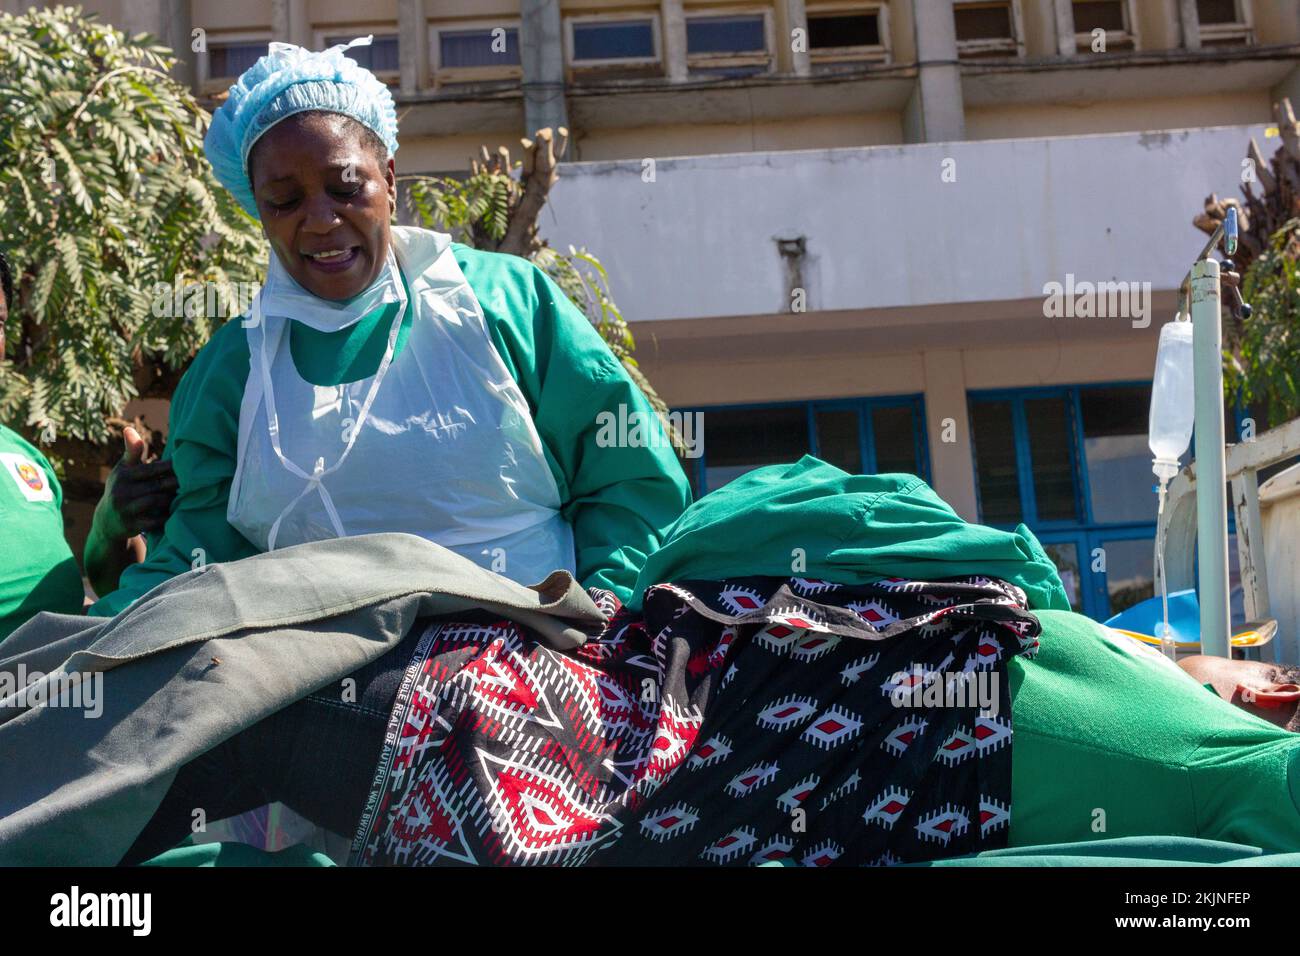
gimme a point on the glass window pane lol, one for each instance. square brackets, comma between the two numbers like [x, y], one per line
[847, 30]
[1092, 15]
[995, 462]
[1216, 11]
[1065, 555]
[460, 48]
[895, 434]
[1048, 424]
[740, 440]
[1129, 576]
[620, 40]
[983, 21]
[1119, 460]
[379, 57]
[725, 35]
[837, 438]
[232, 59]
[383, 55]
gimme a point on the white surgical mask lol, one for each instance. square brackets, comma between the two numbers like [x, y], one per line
[283, 296]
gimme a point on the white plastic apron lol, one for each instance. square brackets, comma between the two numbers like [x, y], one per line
[438, 443]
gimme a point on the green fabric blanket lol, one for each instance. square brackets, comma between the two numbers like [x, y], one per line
[1128, 851]
[814, 520]
[238, 854]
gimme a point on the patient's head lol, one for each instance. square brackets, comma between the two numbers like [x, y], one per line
[1270, 691]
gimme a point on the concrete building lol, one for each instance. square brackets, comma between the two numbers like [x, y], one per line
[836, 225]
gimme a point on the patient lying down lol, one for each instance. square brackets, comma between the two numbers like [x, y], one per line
[763, 719]
[1269, 691]
[1113, 740]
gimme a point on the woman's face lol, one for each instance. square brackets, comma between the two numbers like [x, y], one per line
[325, 198]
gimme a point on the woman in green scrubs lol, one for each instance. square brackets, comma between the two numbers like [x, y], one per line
[389, 379]
[37, 569]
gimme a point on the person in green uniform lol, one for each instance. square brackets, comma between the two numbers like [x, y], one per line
[389, 379]
[1111, 739]
[37, 569]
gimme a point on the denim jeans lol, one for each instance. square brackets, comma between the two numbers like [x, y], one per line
[317, 756]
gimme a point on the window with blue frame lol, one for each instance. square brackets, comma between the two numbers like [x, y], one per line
[478, 47]
[860, 435]
[228, 60]
[1072, 463]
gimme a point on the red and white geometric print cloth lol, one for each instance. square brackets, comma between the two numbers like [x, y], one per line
[733, 722]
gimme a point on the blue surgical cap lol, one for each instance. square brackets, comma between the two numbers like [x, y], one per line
[289, 80]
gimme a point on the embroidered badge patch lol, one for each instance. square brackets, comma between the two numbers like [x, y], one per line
[28, 476]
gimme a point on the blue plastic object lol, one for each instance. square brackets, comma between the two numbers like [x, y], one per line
[1143, 619]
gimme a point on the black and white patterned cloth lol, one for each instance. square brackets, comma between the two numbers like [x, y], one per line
[738, 722]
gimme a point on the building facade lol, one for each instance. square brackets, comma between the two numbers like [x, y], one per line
[917, 235]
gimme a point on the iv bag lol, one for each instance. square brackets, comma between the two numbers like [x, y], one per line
[1173, 400]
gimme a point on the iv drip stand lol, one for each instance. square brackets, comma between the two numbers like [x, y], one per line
[1202, 287]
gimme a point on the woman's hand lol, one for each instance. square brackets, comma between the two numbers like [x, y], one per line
[137, 497]
[138, 494]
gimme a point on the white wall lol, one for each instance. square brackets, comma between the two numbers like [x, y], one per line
[883, 230]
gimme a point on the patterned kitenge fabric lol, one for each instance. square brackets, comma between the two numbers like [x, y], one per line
[734, 722]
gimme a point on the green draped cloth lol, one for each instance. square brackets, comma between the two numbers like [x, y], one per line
[813, 520]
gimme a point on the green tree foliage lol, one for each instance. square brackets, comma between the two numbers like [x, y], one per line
[104, 194]
[1264, 367]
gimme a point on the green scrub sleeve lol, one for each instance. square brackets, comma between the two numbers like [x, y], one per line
[621, 495]
[201, 443]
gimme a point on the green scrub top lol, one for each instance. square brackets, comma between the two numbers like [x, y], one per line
[37, 569]
[1109, 739]
[618, 500]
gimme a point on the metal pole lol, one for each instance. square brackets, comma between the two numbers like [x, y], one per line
[1211, 475]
